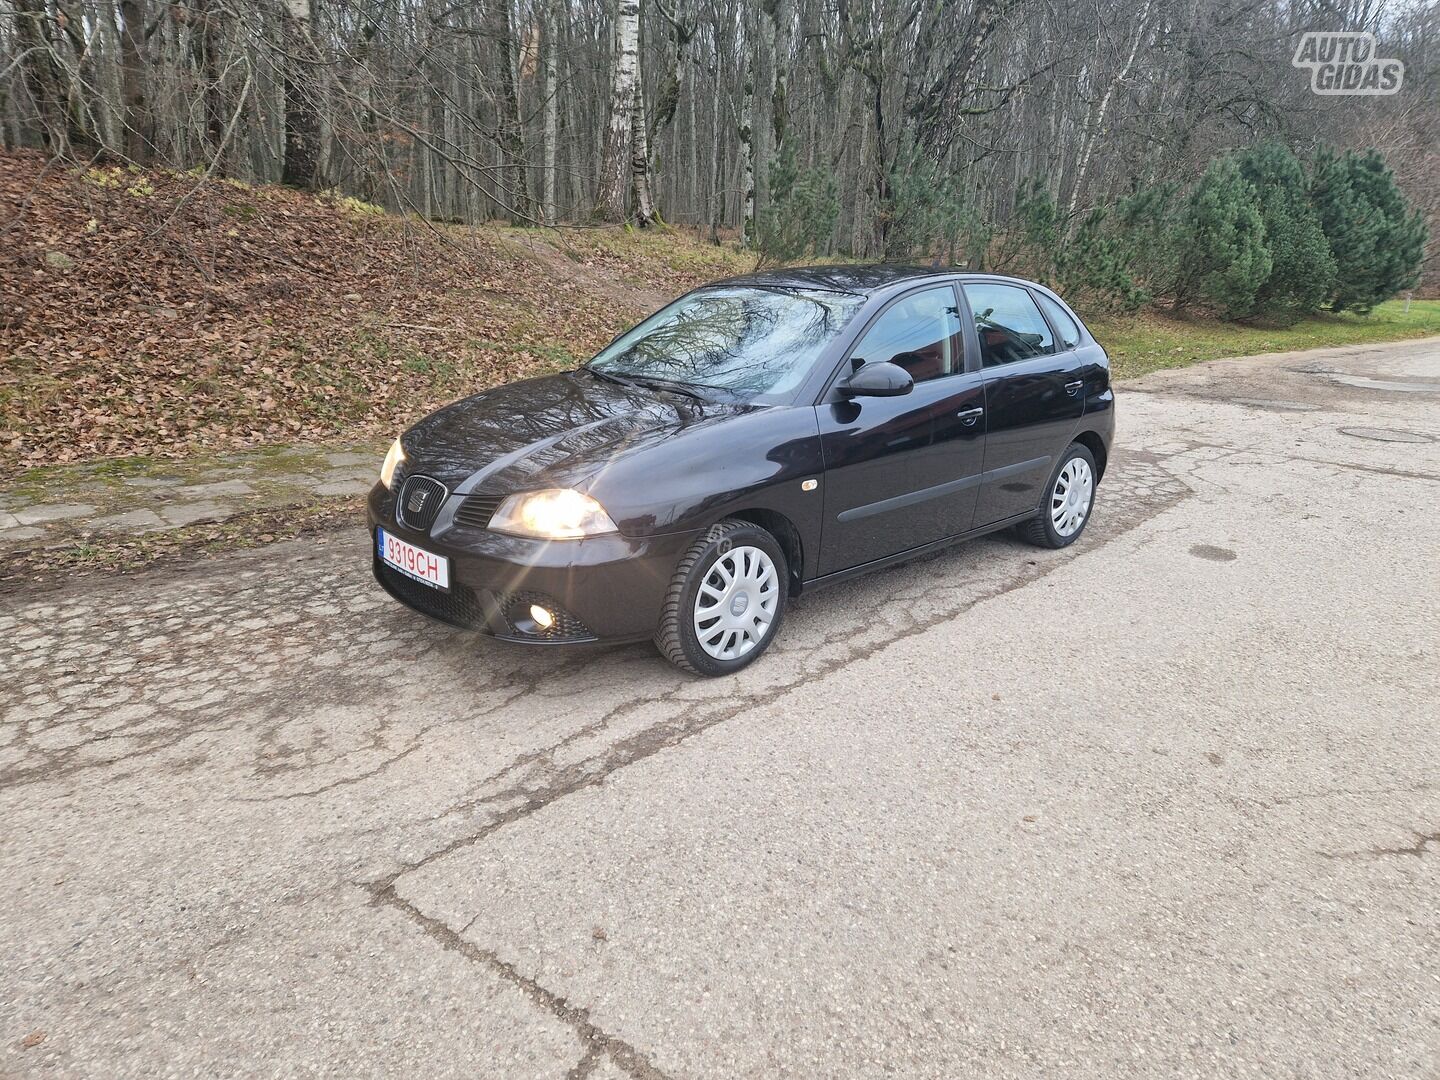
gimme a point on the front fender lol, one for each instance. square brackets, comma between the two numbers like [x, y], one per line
[753, 461]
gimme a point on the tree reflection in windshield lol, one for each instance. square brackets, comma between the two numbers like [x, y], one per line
[746, 340]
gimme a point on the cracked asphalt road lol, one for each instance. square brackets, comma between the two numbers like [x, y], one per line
[1164, 804]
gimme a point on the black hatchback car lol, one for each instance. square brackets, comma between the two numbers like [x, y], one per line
[755, 439]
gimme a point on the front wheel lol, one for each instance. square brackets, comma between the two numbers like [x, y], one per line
[1066, 509]
[726, 600]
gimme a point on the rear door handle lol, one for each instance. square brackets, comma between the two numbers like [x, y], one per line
[969, 416]
[1074, 387]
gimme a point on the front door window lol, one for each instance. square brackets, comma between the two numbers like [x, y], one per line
[921, 334]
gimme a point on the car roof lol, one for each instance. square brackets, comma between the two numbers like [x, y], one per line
[861, 279]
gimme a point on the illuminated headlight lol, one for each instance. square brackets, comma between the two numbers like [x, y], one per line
[392, 462]
[557, 514]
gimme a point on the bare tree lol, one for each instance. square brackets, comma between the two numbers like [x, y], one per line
[139, 129]
[570, 110]
[610, 202]
[37, 62]
[642, 197]
[302, 117]
[511, 122]
[551, 91]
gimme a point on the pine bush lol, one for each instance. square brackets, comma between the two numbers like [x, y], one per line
[1376, 242]
[1302, 270]
[804, 205]
[1222, 255]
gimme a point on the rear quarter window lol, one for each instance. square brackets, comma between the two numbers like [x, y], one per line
[1066, 328]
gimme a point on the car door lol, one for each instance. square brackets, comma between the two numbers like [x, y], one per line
[1033, 397]
[903, 471]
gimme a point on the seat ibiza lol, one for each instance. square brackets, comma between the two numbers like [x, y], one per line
[757, 438]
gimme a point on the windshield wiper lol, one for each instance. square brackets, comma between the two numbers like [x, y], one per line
[616, 379]
[667, 384]
[672, 385]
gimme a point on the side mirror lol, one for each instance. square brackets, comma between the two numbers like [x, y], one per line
[878, 380]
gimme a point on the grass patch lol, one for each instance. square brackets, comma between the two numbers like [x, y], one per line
[1151, 341]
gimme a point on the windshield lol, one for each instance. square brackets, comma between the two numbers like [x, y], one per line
[745, 340]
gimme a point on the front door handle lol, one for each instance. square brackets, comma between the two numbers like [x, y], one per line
[1073, 388]
[969, 416]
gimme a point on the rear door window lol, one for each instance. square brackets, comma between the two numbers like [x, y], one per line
[1008, 323]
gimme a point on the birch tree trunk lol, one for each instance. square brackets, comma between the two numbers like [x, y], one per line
[552, 111]
[610, 203]
[747, 136]
[640, 189]
[1094, 130]
[302, 119]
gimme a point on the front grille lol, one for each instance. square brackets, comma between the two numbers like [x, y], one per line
[477, 510]
[420, 500]
[458, 607]
[566, 627]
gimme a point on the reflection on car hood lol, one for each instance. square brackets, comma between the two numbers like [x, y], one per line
[557, 430]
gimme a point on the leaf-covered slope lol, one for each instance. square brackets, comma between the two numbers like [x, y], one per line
[153, 313]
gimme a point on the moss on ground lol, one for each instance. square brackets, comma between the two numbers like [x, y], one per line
[46, 567]
[101, 484]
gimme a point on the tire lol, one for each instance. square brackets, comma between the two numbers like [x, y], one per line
[1053, 525]
[686, 617]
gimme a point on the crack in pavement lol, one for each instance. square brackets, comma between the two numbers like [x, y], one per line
[585, 1066]
[595, 1040]
[1417, 849]
[1330, 793]
[1375, 470]
[345, 781]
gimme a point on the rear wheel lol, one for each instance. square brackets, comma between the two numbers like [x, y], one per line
[1066, 510]
[726, 600]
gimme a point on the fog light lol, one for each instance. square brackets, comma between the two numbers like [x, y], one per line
[543, 618]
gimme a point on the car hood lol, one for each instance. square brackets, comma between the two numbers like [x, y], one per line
[558, 430]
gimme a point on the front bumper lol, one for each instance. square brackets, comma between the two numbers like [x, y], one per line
[602, 588]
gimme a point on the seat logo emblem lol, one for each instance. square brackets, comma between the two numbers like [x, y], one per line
[416, 502]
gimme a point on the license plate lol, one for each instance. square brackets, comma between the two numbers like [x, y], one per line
[412, 561]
